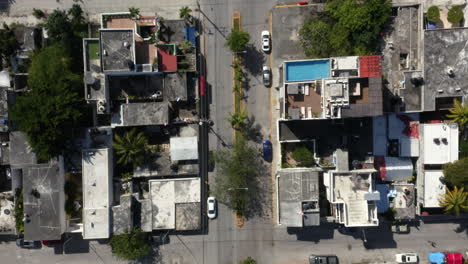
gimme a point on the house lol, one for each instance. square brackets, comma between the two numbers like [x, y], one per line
[97, 193]
[439, 145]
[298, 195]
[332, 88]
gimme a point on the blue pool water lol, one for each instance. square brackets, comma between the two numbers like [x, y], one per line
[307, 70]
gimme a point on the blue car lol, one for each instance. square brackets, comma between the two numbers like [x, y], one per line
[267, 150]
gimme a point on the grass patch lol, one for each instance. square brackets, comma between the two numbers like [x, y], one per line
[19, 210]
[93, 50]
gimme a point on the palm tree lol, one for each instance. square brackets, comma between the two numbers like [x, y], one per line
[185, 13]
[238, 120]
[134, 12]
[454, 201]
[131, 148]
[459, 114]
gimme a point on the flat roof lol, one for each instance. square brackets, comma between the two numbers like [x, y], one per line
[166, 195]
[142, 114]
[184, 148]
[440, 143]
[20, 150]
[44, 201]
[433, 188]
[161, 165]
[175, 86]
[97, 192]
[188, 216]
[141, 85]
[122, 216]
[445, 50]
[373, 106]
[296, 186]
[404, 202]
[117, 49]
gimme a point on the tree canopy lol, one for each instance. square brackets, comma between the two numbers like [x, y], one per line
[238, 169]
[433, 14]
[237, 40]
[455, 14]
[459, 114]
[348, 27]
[8, 43]
[455, 201]
[249, 260]
[131, 148]
[456, 173]
[130, 246]
[50, 111]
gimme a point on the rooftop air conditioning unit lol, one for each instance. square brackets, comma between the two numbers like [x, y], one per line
[101, 109]
[101, 106]
[126, 44]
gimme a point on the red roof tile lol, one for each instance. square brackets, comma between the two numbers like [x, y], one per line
[370, 66]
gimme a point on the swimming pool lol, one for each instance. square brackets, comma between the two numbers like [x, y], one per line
[307, 70]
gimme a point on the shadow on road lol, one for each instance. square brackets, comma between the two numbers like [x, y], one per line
[254, 60]
[313, 234]
[253, 130]
[380, 237]
[75, 245]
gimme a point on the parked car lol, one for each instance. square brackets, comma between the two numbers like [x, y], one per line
[437, 257]
[20, 242]
[266, 76]
[313, 259]
[406, 258]
[266, 41]
[267, 150]
[211, 207]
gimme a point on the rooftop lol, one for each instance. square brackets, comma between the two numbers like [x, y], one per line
[142, 114]
[135, 85]
[117, 49]
[184, 148]
[445, 65]
[175, 86]
[167, 195]
[434, 188]
[97, 193]
[7, 214]
[20, 151]
[44, 201]
[161, 165]
[354, 191]
[404, 203]
[122, 219]
[299, 192]
[439, 143]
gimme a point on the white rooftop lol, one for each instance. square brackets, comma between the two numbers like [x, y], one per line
[184, 148]
[440, 143]
[97, 193]
[345, 63]
[433, 188]
[5, 80]
[165, 194]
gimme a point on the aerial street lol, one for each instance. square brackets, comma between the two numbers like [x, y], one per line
[234, 131]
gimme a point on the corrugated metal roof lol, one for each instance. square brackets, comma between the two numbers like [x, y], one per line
[370, 66]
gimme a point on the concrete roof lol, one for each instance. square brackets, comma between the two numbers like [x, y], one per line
[166, 195]
[20, 151]
[46, 210]
[188, 216]
[146, 215]
[115, 55]
[7, 221]
[5, 80]
[175, 86]
[139, 85]
[142, 114]
[444, 50]
[404, 202]
[184, 148]
[122, 219]
[161, 166]
[433, 188]
[97, 193]
[296, 186]
[440, 143]
[374, 106]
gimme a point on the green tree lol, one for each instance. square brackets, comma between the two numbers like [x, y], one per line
[185, 13]
[59, 27]
[131, 148]
[314, 37]
[76, 15]
[38, 13]
[238, 120]
[456, 173]
[8, 43]
[455, 14]
[238, 170]
[433, 14]
[303, 156]
[459, 114]
[134, 12]
[237, 40]
[455, 201]
[52, 109]
[131, 245]
[248, 260]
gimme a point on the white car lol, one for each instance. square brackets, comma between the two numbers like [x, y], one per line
[266, 41]
[406, 258]
[211, 203]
